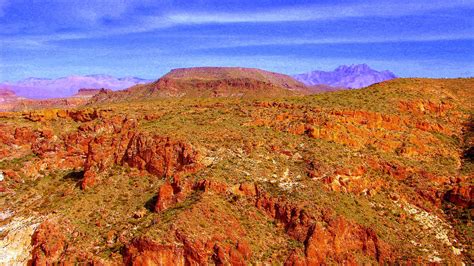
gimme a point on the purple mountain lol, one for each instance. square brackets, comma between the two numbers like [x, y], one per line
[353, 77]
[40, 88]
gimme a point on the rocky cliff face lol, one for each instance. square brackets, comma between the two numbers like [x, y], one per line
[353, 77]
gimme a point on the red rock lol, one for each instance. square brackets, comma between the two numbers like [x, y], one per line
[165, 197]
[195, 252]
[47, 133]
[337, 241]
[89, 179]
[207, 185]
[160, 156]
[177, 191]
[248, 189]
[226, 254]
[24, 135]
[146, 252]
[316, 169]
[143, 251]
[49, 244]
[244, 250]
[82, 115]
[461, 195]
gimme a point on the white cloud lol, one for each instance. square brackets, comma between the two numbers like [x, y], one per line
[318, 12]
[245, 42]
[88, 14]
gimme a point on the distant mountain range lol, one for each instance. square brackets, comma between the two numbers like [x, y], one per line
[41, 88]
[9, 101]
[352, 77]
[343, 77]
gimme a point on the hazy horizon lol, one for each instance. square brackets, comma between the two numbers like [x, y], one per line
[52, 39]
[157, 77]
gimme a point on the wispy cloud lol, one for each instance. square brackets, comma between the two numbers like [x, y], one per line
[43, 33]
[317, 12]
[89, 16]
[222, 41]
[288, 41]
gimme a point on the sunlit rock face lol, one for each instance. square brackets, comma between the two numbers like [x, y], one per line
[15, 246]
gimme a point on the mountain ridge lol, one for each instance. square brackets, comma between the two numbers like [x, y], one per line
[353, 76]
[212, 82]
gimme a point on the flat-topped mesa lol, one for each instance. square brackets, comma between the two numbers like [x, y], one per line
[227, 81]
[89, 92]
[6, 93]
[209, 73]
[212, 82]
[8, 99]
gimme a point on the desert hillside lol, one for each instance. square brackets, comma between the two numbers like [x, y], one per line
[212, 82]
[378, 175]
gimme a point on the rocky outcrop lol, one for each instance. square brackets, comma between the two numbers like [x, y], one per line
[160, 156]
[15, 238]
[145, 251]
[103, 152]
[49, 244]
[176, 191]
[420, 107]
[461, 195]
[326, 238]
[374, 175]
[83, 115]
[97, 146]
[404, 135]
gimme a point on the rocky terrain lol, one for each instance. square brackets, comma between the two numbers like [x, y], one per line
[352, 77]
[149, 177]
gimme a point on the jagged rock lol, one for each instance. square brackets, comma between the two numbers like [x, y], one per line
[462, 195]
[83, 115]
[49, 244]
[160, 156]
[147, 252]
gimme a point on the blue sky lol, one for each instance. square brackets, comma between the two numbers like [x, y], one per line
[147, 38]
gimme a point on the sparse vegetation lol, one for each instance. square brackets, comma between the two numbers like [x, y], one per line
[367, 184]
